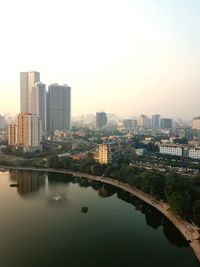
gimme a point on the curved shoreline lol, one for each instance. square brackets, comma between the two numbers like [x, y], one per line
[190, 232]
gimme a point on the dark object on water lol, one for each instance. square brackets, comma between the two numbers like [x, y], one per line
[84, 209]
[14, 185]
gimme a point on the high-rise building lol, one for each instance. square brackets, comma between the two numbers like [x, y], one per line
[144, 121]
[166, 123]
[27, 82]
[38, 102]
[29, 131]
[156, 121]
[101, 119]
[58, 107]
[2, 122]
[196, 123]
[12, 134]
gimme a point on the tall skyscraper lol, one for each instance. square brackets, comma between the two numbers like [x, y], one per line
[38, 102]
[58, 107]
[101, 119]
[27, 82]
[156, 121]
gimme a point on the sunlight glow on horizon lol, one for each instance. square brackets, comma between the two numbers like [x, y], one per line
[125, 57]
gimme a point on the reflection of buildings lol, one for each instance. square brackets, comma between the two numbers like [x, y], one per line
[29, 182]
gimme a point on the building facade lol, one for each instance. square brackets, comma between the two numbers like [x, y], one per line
[101, 119]
[13, 134]
[166, 123]
[2, 122]
[27, 82]
[180, 150]
[112, 152]
[156, 121]
[29, 131]
[38, 102]
[58, 107]
[196, 123]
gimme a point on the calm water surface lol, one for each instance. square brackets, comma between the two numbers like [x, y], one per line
[42, 224]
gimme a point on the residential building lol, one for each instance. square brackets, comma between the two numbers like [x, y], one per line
[29, 131]
[111, 152]
[156, 121]
[180, 150]
[27, 82]
[175, 150]
[166, 123]
[194, 153]
[101, 119]
[196, 123]
[12, 134]
[58, 107]
[144, 121]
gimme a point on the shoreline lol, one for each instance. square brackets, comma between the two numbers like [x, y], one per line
[190, 232]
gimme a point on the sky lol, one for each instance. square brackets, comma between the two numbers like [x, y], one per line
[127, 57]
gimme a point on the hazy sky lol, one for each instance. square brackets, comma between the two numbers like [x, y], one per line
[123, 56]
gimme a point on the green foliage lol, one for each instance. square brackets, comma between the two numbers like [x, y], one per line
[180, 202]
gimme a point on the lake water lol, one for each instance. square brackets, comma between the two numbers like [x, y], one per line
[54, 220]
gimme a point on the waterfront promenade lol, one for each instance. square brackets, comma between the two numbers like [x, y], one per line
[188, 230]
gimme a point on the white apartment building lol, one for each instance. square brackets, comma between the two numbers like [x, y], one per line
[169, 149]
[180, 150]
[194, 153]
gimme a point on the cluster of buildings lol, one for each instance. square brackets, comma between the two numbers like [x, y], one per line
[143, 121]
[41, 111]
[112, 152]
[180, 150]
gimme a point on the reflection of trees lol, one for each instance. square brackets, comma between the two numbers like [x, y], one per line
[59, 178]
[155, 219]
[172, 234]
[28, 181]
[107, 191]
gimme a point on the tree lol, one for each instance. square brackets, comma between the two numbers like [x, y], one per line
[180, 203]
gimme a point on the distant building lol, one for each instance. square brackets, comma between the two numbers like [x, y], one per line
[27, 82]
[166, 123]
[180, 150]
[101, 119]
[2, 122]
[194, 153]
[13, 134]
[175, 150]
[58, 107]
[196, 123]
[112, 152]
[144, 121]
[38, 100]
[156, 121]
[29, 131]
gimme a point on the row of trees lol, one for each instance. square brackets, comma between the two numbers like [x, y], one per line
[182, 193]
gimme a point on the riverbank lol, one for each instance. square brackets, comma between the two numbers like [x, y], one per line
[188, 230]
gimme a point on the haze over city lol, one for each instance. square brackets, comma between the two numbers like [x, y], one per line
[125, 57]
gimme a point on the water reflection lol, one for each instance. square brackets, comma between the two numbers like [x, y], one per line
[56, 189]
[29, 182]
[155, 219]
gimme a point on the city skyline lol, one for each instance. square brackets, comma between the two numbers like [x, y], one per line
[130, 58]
